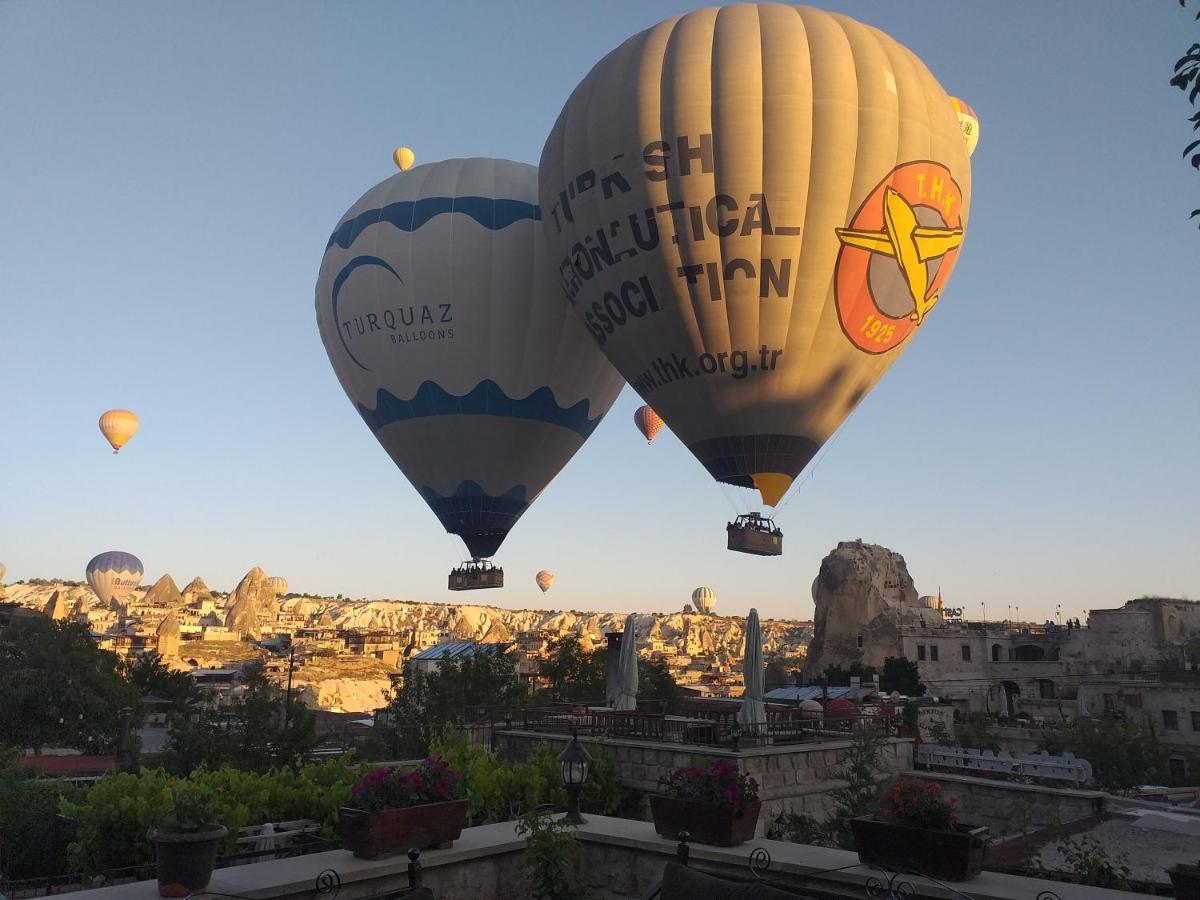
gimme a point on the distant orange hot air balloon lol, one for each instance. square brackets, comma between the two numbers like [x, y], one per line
[649, 422]
[545, 580]
[118, 426]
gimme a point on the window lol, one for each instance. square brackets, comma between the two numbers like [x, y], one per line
[920, 652]
[1046, 689]
[1170, 720]
[1177, 767]
[995, 653]
[1110, 703]
[966, 652]
[933, 656]
[1195, 721]
[860, 639]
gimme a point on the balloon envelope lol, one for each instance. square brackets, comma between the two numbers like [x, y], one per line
[968, 120]
[279, 585]
[704, 599]
[114, 575]
[440, 316]
[118, 426]
[753, 209]
[2, 571]
[648, 422]
[545, 580]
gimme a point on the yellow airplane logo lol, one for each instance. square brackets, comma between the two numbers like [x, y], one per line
[910, 243]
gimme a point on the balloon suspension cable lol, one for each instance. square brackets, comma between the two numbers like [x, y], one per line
[795, 490]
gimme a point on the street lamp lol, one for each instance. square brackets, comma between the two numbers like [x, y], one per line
[575, 761]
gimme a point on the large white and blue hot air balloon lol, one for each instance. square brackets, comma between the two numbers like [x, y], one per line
[439, 311]
[114, 575]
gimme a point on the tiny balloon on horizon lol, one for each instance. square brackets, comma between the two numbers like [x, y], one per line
[404, 158]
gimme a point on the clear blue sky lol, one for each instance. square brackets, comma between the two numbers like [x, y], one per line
[170, 173]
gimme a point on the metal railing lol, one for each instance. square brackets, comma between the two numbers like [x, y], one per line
[1039, 766]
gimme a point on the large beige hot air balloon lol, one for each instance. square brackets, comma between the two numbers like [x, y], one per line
[968, 121]
[545, 580]
[753, 209]
[2, 571]
[278, 585]
[704, 599]
[118, 426]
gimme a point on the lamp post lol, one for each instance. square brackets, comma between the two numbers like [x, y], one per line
[575, 761]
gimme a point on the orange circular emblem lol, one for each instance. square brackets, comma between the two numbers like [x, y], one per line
[896, 255]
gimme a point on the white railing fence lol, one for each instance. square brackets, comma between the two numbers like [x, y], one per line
[1040, 765]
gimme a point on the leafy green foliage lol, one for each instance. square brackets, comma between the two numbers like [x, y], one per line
[28, 807]
[551, 857]
[783, 670]
[150, 677]
[578, 676]
[719, 783]
[59, 687]
[114, 818]
[193, 808]
[919, 804]
[859, 797]
[1092, 864]
[500, 791]
[979, 735]
[429, 700]
[258, 732]
[1124, 753]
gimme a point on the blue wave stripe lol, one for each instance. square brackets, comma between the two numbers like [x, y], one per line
[340, 280]
[115, 561]
[486, 398]
[483, 521]
[494, 213]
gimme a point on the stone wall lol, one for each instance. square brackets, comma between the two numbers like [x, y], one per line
[1008, 808]
[793, 778]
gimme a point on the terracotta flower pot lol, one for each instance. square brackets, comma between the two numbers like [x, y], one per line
[371, 835]
[185, 860]
[720, 826]
[955, 855]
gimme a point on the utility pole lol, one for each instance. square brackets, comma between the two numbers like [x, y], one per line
[287, 709]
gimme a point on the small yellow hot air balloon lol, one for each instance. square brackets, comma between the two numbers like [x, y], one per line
[969, 120]
[648, 422]
[404, 158]
[545, 580]
[118, 426]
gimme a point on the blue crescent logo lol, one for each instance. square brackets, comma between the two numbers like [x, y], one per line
[340, 280]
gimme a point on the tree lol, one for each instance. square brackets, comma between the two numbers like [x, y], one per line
[783, 670]
[899, 674]
[1124, 753]
[59, 688]
[1187, 79]
[576, 675]
[429, 700]
[978, 734]
[151, 678]
[257, 732]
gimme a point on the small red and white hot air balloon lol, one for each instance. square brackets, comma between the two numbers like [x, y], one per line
[545, 580]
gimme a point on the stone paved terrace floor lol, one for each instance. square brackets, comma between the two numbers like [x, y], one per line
[621, 859]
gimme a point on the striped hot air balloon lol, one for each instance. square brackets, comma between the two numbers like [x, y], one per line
[114, 575]
[118, 426]
[969, 120]
[704, 599]
[545, 580]
[440, 316]
[278, 585]
[648, 422]
[752, 209]
[2, 571]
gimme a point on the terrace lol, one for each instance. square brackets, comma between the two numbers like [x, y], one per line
[619, 859]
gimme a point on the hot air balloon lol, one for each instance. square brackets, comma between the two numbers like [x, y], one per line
[968, 120]
[114, 575]
[118, 426]
[2, 571]
[441, 318]
[704, 599]
[404, 158]
[648, 422]
[753, 209]
[545, 580]
[278, 585]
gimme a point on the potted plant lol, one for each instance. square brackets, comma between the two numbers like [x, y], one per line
[715, 805]
[917, 831]
[391, 811]
[186, 840]
[1185, 878]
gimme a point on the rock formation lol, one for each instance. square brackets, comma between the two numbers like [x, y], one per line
[57, 607]
[164, 594]
[255, 595]
[863, 594]
[168, 636]
[242, 618]
[196, 590]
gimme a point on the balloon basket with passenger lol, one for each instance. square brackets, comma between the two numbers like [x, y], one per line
[476, 575]
[755, 534]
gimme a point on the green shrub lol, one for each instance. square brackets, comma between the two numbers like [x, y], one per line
[551, 857]
[28, 808]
